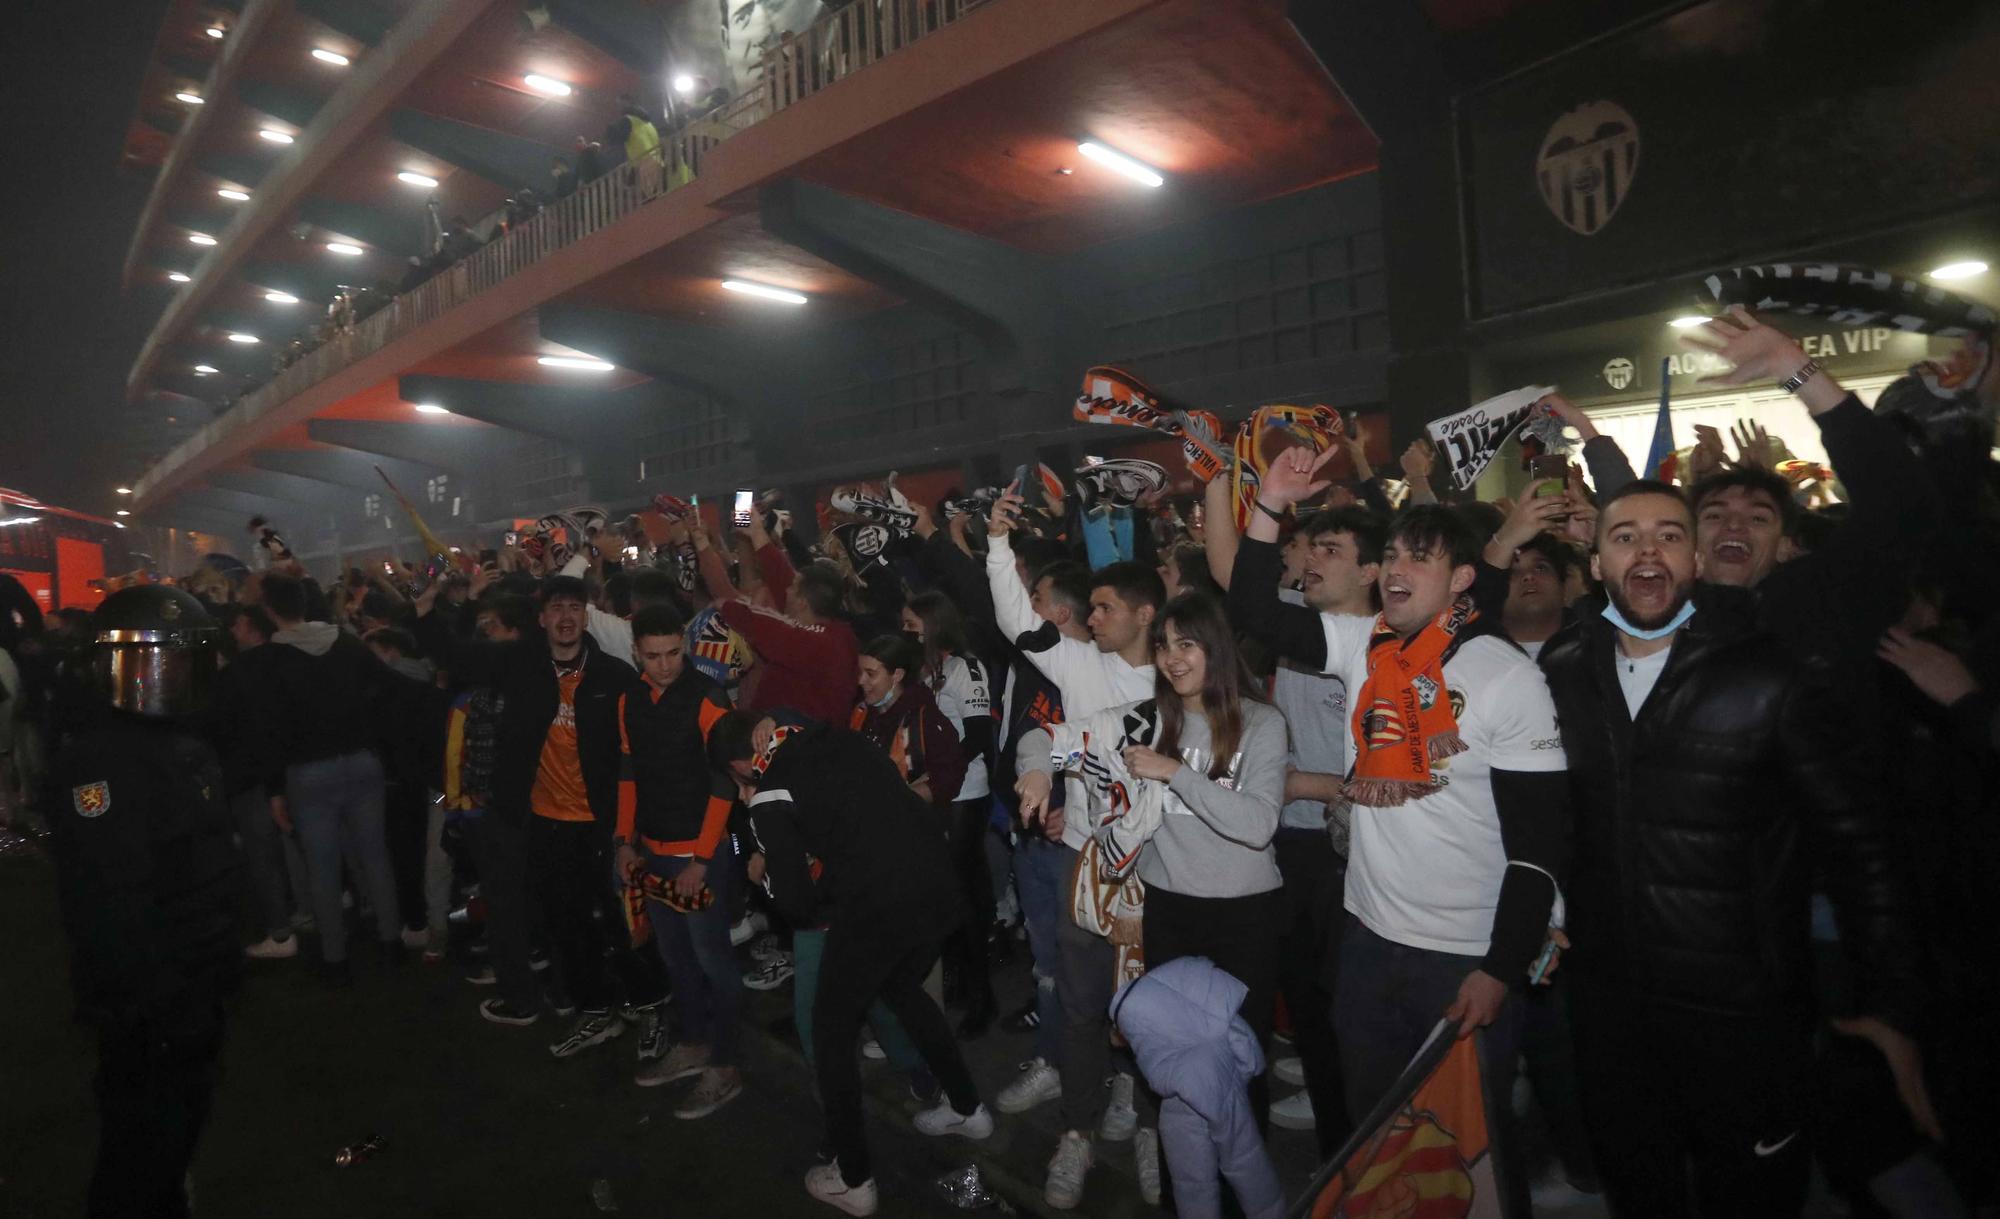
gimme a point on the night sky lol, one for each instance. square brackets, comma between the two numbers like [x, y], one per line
[70, 333]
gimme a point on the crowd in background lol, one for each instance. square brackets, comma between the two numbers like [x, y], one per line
[1682, 795]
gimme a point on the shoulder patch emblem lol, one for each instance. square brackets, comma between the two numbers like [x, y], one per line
[92, 799]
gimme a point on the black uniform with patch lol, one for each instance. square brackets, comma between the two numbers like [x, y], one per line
[147, 873]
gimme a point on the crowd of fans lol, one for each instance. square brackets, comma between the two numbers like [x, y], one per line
[1681, 795]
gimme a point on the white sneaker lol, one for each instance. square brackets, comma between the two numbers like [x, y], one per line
[1146, 1155]
[1039, 1083]
[416, 939]
[943, 1119]
[823, 1182]
[1295, 1112]
[1290, 1070]
[872, 1050]
[1064, 1187]
[269, 949]
[1120, 1118]
[745, 929]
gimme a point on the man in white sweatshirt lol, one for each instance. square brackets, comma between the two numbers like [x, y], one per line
[1114, 668]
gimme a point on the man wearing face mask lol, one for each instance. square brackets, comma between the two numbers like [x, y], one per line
[1713, 781]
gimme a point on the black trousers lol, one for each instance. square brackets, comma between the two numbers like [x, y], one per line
[870, 955]
[968, 856]
[405, 824]
[571, 867]
[1242, 936]
[1693, 1113]
[1315, 884]
[514, 921]
[153, 1091]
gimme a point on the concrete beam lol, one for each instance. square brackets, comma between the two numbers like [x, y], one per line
[507, 160]
[294, 106]
[702, 358]
[288, 487]
[403, 236]
[1004, 297]
[630, 33]
[535, 410]
[346, 468]
[364, 21]
[454, 450]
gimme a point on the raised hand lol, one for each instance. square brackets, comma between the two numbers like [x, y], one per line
[1418, 460]
[1571, 415]
[1940, 674]
[1755, 352]
[1709, 457]
[1006, 514]
[1754, 449]
[1294, 476]
[1356, 447]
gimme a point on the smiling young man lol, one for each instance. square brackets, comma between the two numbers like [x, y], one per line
[1456, 792]
[1713, 783]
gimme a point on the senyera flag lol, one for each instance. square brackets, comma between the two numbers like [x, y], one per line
[1428, 1150]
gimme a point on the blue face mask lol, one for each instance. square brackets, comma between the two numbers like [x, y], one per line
[1659, 632]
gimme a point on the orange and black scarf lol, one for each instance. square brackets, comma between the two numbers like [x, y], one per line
[1403, 718]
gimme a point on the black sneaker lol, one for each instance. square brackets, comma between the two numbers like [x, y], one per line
[652, 1031]
[499, 1011]
[1027, 1020]
[591, 1028]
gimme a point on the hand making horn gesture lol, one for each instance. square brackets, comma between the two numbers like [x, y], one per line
[1294, 477]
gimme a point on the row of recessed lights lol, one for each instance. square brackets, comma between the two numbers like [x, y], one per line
[1946, 273]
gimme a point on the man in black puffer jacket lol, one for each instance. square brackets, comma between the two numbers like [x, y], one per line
[1712, 788]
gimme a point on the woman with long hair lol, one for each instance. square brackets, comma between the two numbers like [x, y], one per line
[957, 680]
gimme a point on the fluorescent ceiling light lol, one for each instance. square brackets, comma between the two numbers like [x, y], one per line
[240, 337]
[276, 137]
[417, 179]
[343, 247]
[205, 369]
[546, 84]
[216, 31]
[234, 195]
[1959, 270]
[124, 512]
[192, 99]
[124, 490]
[333, 57]
[430, 408]
[201, 239]
[683, 83]
[764, 291]
[118, 524]
[179, 277]
[584, 363]
[281, 298]
[1145, 175]
[1689, 322]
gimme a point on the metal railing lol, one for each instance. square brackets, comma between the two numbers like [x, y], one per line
[831, 49]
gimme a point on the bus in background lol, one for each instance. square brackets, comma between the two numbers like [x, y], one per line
[60, 555]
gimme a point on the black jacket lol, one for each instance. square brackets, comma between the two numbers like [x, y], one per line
[1700, 828]
[525, 678]
[147, 870]
[313, 707]
[831, 796]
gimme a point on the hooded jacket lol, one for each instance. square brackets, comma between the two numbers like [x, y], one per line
[313, 697]
[1703, 823]
[1200, 1056]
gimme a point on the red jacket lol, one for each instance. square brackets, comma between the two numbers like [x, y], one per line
[809, 669]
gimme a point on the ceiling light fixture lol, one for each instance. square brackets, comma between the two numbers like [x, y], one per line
[343, 247]
[124, 512]
[417, 179]
[583, 363]
[192, 99]
[764, 291]
[234, 195]
[430, 408]
[1959, 270]
[281, 298]
[205, 369]
[333, 57]
[548, 85]
[215, 31]
[683, 84]
[179, 277]
[123, 490]
[239, 337]
[276, 137]
[1144, 175]
[201, 239]
[1690, 321]
[118, 524]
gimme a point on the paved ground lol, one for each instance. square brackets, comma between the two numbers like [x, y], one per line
[480, 1121]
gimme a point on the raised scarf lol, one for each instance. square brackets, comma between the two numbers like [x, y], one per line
[1403, 721]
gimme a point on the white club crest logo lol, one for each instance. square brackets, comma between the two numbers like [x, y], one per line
[1587, 163]
[1618, 372]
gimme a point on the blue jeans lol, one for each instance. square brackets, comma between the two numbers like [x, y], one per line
[1041, 880]
[707, 996]
[336, 809]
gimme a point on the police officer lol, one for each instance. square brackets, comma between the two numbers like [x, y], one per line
[147, 875]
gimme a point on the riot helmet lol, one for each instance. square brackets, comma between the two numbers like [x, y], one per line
[153, 650]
